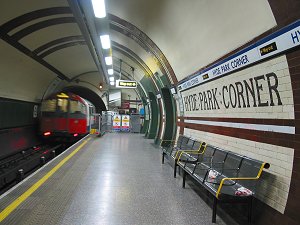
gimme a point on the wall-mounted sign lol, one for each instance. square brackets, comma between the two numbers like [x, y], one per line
[116, 122]
[205, 76]
[268, 49]
[125, 123]
[173, 90]
[126, 84]
[278, 42]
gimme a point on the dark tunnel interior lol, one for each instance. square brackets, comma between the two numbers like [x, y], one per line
[89, 95]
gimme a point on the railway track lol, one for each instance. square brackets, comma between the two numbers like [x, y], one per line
[14, 168]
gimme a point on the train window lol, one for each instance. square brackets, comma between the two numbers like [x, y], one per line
[77, 107]
[62, 105]
[49, 105]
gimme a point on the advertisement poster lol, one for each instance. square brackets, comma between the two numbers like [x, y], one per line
[116, 122]
[125, 123]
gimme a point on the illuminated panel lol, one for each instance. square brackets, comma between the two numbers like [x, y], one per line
[62, 95]
[126, 84]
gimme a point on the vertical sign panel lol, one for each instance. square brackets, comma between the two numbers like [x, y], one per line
[125, 123]
[116, 122]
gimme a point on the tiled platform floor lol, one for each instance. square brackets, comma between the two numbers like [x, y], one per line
[117, 180]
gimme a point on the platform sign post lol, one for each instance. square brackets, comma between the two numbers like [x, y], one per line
[125, 123]
[116, 123]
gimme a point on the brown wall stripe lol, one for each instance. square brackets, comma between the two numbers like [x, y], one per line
[278, 122]
[280, 139]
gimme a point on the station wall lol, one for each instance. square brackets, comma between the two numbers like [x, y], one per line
[255, 112]
[242, 113]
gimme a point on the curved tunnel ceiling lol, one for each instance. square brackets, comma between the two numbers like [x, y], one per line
[59, 53]
[56, 35]
[133, 32]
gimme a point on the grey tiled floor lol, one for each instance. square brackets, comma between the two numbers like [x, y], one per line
[117, 180]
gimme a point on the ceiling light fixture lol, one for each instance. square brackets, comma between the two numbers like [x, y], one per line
[112, 83]
[105, 41]
[99, 8]
[110, 71]
[112, 79]
[108, 60]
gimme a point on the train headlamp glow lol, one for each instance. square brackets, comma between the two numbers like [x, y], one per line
[47, 133]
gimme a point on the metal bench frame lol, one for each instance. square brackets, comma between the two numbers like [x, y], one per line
[219, 167]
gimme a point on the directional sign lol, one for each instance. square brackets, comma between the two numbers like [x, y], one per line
[126, 84]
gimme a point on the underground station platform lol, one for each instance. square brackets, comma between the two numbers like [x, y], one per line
[117, 179]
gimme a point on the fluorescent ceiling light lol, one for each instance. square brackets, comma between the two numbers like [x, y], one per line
[112, 83]
[112, 79]
[105, 41]
[108, 60]
[99, 8]
[110, 71]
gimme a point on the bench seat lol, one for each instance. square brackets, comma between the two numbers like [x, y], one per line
[226, 175]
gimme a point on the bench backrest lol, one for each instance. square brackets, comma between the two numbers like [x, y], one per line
[197, 145]
[183, 142]
[188, 145]
[231, 164]
[250, 168]
[209, 151]
[179, 140]
[219, 155]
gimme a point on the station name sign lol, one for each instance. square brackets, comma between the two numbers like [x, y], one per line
[282, 40]
[126, 84]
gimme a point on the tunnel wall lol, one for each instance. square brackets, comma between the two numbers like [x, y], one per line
[235, 123]
[18, 125]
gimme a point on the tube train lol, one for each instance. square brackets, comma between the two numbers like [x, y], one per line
[66, 116]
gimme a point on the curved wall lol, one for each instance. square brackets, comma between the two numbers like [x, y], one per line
[255, 112]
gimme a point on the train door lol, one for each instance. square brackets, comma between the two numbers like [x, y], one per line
[61, 122]
[78, 117]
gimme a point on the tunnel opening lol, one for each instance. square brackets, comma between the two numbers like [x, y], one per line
[88, 94]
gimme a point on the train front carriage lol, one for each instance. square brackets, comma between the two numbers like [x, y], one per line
[64, 115]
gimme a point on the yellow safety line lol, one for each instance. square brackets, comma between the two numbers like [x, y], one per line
[9, 209]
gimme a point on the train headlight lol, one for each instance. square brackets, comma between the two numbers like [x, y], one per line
[47, 133]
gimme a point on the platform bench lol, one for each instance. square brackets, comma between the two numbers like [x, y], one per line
[170, 146]
[193, 151]
[228, 176]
